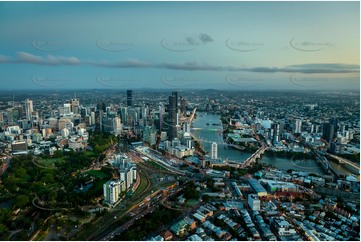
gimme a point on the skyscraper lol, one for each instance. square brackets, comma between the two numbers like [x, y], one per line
[183, 105]
[172, 117]
[328, 132]
[117, 126]
[298, 126]
[214, 151]
[334, 123]
[175, 94]
[75, 105]
[28, 108]
[160, 118]
[129, 98]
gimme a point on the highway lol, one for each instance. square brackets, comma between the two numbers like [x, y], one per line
[140, 210]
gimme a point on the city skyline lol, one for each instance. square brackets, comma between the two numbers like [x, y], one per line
[171, 45]
[182, 165]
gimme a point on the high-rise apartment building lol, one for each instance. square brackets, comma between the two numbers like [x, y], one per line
[28, 108]
[214, 151]
[298, 126]
[112, 190]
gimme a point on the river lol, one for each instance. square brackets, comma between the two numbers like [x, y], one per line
[214, 133]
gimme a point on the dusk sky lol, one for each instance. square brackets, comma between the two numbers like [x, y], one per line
[233, 45]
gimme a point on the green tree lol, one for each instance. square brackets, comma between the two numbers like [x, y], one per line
[3, 231]
[21, 201]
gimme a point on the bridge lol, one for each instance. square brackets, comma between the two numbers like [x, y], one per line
[192, 116]
[220, 143]
[352, 165]
[326, 165]
[208, 129]
[256, 155]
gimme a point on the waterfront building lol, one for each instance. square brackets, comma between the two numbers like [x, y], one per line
[214, 151]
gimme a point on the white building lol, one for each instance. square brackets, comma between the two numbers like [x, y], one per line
[28, 108]
[75, 143]
[117, 125]
[112, 190]
[127, 170]
[254, 202]
[64, 132]
[67, 108]
[214, 151]
[298, 126]
[283, 227]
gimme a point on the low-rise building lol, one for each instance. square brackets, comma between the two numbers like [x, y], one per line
[179, 228]
[282, 226]
[257, 187]
[254, 202]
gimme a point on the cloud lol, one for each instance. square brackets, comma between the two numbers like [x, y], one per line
[131, 63]
[311, 68]
[29, 58]
[205, 38]
[3, 59]
[306, 68]
[24, 57]
[191, 41]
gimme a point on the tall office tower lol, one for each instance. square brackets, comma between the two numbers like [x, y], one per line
[75, 105]
[83, 112]
[67, 108]
[99, 120]
[328, 132]
[117, 126]
[276, 128]
[124, 114]
[101, 106]
[28, 108]
[160, 118]
[172, 118]
[129, 98]
[93, 120]
[334, 123]
[214, 151]
[175, 94]
[183, 105]
[298, 126]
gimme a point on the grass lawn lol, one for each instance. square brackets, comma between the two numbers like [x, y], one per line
[142, 186]
[192, 202]
[156, 165]
[50, 161]
[96, 173]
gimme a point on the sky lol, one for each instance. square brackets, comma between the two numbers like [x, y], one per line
[201, 45]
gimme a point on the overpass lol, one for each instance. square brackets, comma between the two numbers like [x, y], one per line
[341, 160]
